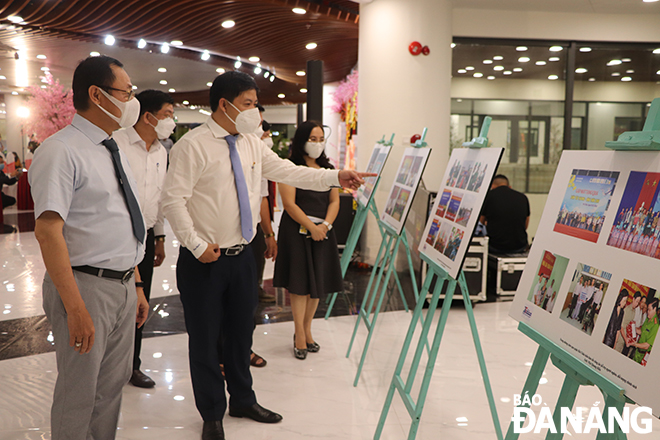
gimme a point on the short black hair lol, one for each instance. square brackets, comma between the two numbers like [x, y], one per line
[92, 71]
[501, 177]
[637, 294]
[653, 302]
[229, 85]
[152, 101]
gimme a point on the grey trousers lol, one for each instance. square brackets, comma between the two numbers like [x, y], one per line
[88, 390]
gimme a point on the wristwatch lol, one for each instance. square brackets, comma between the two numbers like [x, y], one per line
[272, 234]
[328, 225]
[160, 238]
[139, 284]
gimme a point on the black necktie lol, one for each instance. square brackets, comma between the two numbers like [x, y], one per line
[129, 197]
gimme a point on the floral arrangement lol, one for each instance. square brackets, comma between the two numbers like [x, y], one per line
[346, 105]
[51, 109]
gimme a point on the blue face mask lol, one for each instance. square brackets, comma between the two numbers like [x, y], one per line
[2, 166]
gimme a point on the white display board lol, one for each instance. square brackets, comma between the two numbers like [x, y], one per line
[375, 165]
[456, 209]
[597, 245]
[404, 187]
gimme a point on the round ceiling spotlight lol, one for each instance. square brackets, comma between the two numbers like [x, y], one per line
[299, 11]
[171, 90]
[498, 68]
[109, 40]
[553, 59]
[311, 46]
[626, 78]
[553, 77]
[498, 57]
[523, 59]
[303, 90]
[614, 62]
[300, 73]
[163, 82]
[272, 78]
[185, 102]
[176, 43]
[491, 78]
[220, 70]
[15, 19]
[41, 57]
[478, 75]
[517, 69]
[580, 70]
[227, 24]
[585, 49]
[206, 55]
[507, 72]
[237, 64]
[209, 84]
[462, 71]
[254, 59]
[162, 69]
[94, 54]
[556, 48]
[257, 70]
[488, 61]
[142, 43]
[540, 63]
[592, 79]
[469, 68]
[281, 95]
[165, 48]
[521, 48]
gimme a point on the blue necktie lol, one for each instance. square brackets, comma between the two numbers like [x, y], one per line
[129, 197]
[241, 189]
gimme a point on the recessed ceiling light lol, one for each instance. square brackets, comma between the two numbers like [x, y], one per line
[165, 48]
[626, 78]
[281, 95]
[477, 75]
[540, 63]
[41, 57]
[311, 46]
[15, 18]
[498, 57]
[299, 11]
[488, 61]
[553, 59]
[300, 73]
[498, 68]
[585, 49]
[254, 59]
[109, 40]
[176, 43]
[626, 60]
[237, 64]
[616, 74]
[452, 45]
[658, 72]
[94, 54]
[163, 81]
[228, 24]
[491, 77]
[185, 102]
[517, 69]
[462, 71]
[580, 70]
[171, 90]
[266, 74]
[220, 70]
[523, 59]
[14, 93]
[469, 68]
[553, 77]
[656, 50]
[162, 69]
[592, 79]
[303, 90]
[272, 78]
[556, 48]
[630, 71]
[614, 62]
[521, 48]
[205, 55]
[209, 84]
[45, 69]
[507, 72]
[257, 70]
[649, 1]
[142, 43]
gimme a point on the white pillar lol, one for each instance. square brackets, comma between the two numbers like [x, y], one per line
[13, 139]
[402, 93]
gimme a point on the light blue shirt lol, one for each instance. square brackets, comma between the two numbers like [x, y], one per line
[72, 174]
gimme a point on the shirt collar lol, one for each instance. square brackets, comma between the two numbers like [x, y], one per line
[135, 138]
[216, 130]
[89, 129]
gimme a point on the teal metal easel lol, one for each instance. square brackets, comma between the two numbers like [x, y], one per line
[385, 264]
[442, 279]
[577, 373]
[356, 230]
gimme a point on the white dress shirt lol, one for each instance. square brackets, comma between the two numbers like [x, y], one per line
[149, 169]
[200, 198]
[73, 175]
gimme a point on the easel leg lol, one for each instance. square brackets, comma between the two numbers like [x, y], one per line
[480, 354]
[618, 434]
[532, 382]
[566, 400]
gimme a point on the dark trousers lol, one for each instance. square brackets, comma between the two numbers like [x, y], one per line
[7, 201]
[146, 268]
[219, 298]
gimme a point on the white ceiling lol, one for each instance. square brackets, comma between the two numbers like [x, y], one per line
[575, 6]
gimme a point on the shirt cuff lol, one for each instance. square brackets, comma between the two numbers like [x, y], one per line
[159, 229]
[332, 179]
[198, 247]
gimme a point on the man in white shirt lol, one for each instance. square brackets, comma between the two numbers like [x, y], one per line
[212, 198]
[148, 159]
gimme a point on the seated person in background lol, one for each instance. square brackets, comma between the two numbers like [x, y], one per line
[8, 180]
[506, 215]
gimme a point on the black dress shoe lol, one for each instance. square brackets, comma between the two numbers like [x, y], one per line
[313, 347]
[141, 380]
[255, 412]
[213, 430]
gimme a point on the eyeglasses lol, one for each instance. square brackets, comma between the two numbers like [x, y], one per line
[129, 93]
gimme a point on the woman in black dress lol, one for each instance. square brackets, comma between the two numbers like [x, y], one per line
[308, 261]
[614, 326]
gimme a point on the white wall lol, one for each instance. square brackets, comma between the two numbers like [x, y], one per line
[332, 120]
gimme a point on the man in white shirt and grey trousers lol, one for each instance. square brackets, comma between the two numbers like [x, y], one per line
[148, 159]
[212, 198]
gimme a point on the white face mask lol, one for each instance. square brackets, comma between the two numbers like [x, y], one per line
[269, 141]
[314, 149]
[130, 110]
[259, 131]
[164, 127]
[247, 121]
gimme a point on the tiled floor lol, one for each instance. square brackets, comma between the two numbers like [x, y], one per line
[315, 396]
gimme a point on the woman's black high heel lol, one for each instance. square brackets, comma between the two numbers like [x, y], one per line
[313, 347]
[299, 353]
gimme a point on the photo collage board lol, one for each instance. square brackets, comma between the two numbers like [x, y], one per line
[590, 284]
[456, 210]
[375, 165]
[404, 187]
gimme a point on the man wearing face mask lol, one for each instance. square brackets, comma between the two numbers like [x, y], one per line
[91, 234]
[148, 159]
[212, 198]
